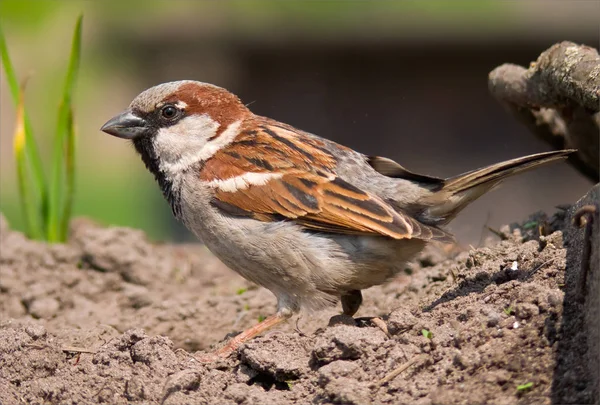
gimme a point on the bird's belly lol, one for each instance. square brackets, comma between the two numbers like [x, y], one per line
[376, 259]
[277, 256]
[301, 268]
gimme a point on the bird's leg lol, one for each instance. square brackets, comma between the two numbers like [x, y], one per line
[281, 315]
[351, 302]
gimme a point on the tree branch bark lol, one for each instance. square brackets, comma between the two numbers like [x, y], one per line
[558, 99]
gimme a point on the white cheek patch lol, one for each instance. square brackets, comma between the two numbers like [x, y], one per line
[224, 139]
[244, 181]
[185, 143]
[179, 142]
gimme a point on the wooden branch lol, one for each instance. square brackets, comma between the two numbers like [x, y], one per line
[558, 99]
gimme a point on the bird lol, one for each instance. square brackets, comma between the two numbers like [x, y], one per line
[313, 221]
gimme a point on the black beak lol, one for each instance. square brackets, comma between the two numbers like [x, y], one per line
[126, 125]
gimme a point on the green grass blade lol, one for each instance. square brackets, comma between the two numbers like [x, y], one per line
[31, 212]
[62, 171]
[69, 178]
[33, 160]
[13, 83]
[74, 60]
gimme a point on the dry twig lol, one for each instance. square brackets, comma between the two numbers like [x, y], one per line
[396, 372]
[377, 321]
[558, 99]
[72, 349]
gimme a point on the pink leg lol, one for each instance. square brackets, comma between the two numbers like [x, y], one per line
[246, 335]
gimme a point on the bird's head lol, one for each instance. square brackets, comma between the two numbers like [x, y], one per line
[176, 124]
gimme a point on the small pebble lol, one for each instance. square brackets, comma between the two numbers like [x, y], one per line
[493, 319]
[554, 298]
[515, 325]
[35, 331]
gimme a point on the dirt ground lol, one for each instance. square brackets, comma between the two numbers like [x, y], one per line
[113, 318]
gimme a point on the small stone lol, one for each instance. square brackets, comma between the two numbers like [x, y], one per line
[493, 319]
[555, 298]
[35, 331]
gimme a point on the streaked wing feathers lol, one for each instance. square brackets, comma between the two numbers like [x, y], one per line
[276, 173]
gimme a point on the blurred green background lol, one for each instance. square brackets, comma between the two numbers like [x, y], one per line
[403, 79]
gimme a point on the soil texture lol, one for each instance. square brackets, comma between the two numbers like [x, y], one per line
[113, 318]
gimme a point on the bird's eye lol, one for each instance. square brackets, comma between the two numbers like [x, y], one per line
[169, 112]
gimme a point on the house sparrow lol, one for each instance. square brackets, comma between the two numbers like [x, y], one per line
[311, 220]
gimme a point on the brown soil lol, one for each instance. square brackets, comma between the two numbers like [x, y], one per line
[113, 318]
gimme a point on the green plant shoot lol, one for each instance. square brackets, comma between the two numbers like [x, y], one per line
[33, 193]
[30, 211]
[63, 170]
[427, 333]
[524, 387]
[47, 206]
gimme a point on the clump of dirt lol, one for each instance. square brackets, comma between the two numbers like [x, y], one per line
[112, 318]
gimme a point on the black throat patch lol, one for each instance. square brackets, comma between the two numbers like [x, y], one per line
[143, 145]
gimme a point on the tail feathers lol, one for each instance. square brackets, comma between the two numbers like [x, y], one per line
[457, 192]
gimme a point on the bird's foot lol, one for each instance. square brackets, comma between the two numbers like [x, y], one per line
[236, 341]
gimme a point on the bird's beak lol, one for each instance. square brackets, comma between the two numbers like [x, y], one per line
[126, 125]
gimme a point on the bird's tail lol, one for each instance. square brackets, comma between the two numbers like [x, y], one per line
[457, 192]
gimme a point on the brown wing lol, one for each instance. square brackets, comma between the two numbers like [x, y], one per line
[276, 173]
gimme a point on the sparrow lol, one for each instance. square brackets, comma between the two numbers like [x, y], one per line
[313, 221]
